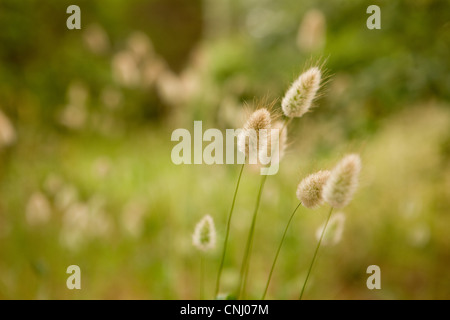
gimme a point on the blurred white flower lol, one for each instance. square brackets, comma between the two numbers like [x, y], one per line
[419, 235]
[96, 39]
[132, 218]
[99, 223]
[151, 69]
[83, 222]
[263, 21]
[140, 45]
[101, 167]
[7, 132]
[335, 228]
[312, 31]
[170, 88]
[65, 197]
[111, 97]
[74, 225]
[74, 114]
[125, 69]
[53, 183]
[38, 209]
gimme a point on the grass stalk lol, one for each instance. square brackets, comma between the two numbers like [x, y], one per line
[227, 232]
[278, 251]
[315, 254]
[248, 247]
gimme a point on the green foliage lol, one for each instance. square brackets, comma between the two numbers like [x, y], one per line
[110, 200]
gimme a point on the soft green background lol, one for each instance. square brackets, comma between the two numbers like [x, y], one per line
[86, 176]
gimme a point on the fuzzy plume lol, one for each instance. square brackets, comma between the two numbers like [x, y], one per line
[260, 119]
[298, 99]
[310, 189]
[255, 130]
[204, 237]
[340, 187]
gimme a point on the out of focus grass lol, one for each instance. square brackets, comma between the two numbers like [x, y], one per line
[398, 219]
[103, 193]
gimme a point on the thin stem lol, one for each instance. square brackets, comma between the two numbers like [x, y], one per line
[246, 259]
[227, 233]
[315, 254]
[286, 122]
[278, 250]
[249, 245]
[202, 276]
[244, 285]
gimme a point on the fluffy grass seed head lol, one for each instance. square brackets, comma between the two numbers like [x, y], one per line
[259, 119]
[310, 189]
[255, 129]
[204, 237]
[343, 181]
[299, 97]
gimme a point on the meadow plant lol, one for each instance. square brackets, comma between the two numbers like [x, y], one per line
[297, 101]
[343, 181]
[265, 137]
[300, 96]
[248, 140]
[254, 135]
[309, 192]
[337, 192]
[204, 239]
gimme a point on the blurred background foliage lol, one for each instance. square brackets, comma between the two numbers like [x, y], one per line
[86, 118]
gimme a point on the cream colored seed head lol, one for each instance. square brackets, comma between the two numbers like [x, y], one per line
[340, 187]
[298, 99]
[260, 119]
[204, 237]
[309, 190]
[249, 137]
